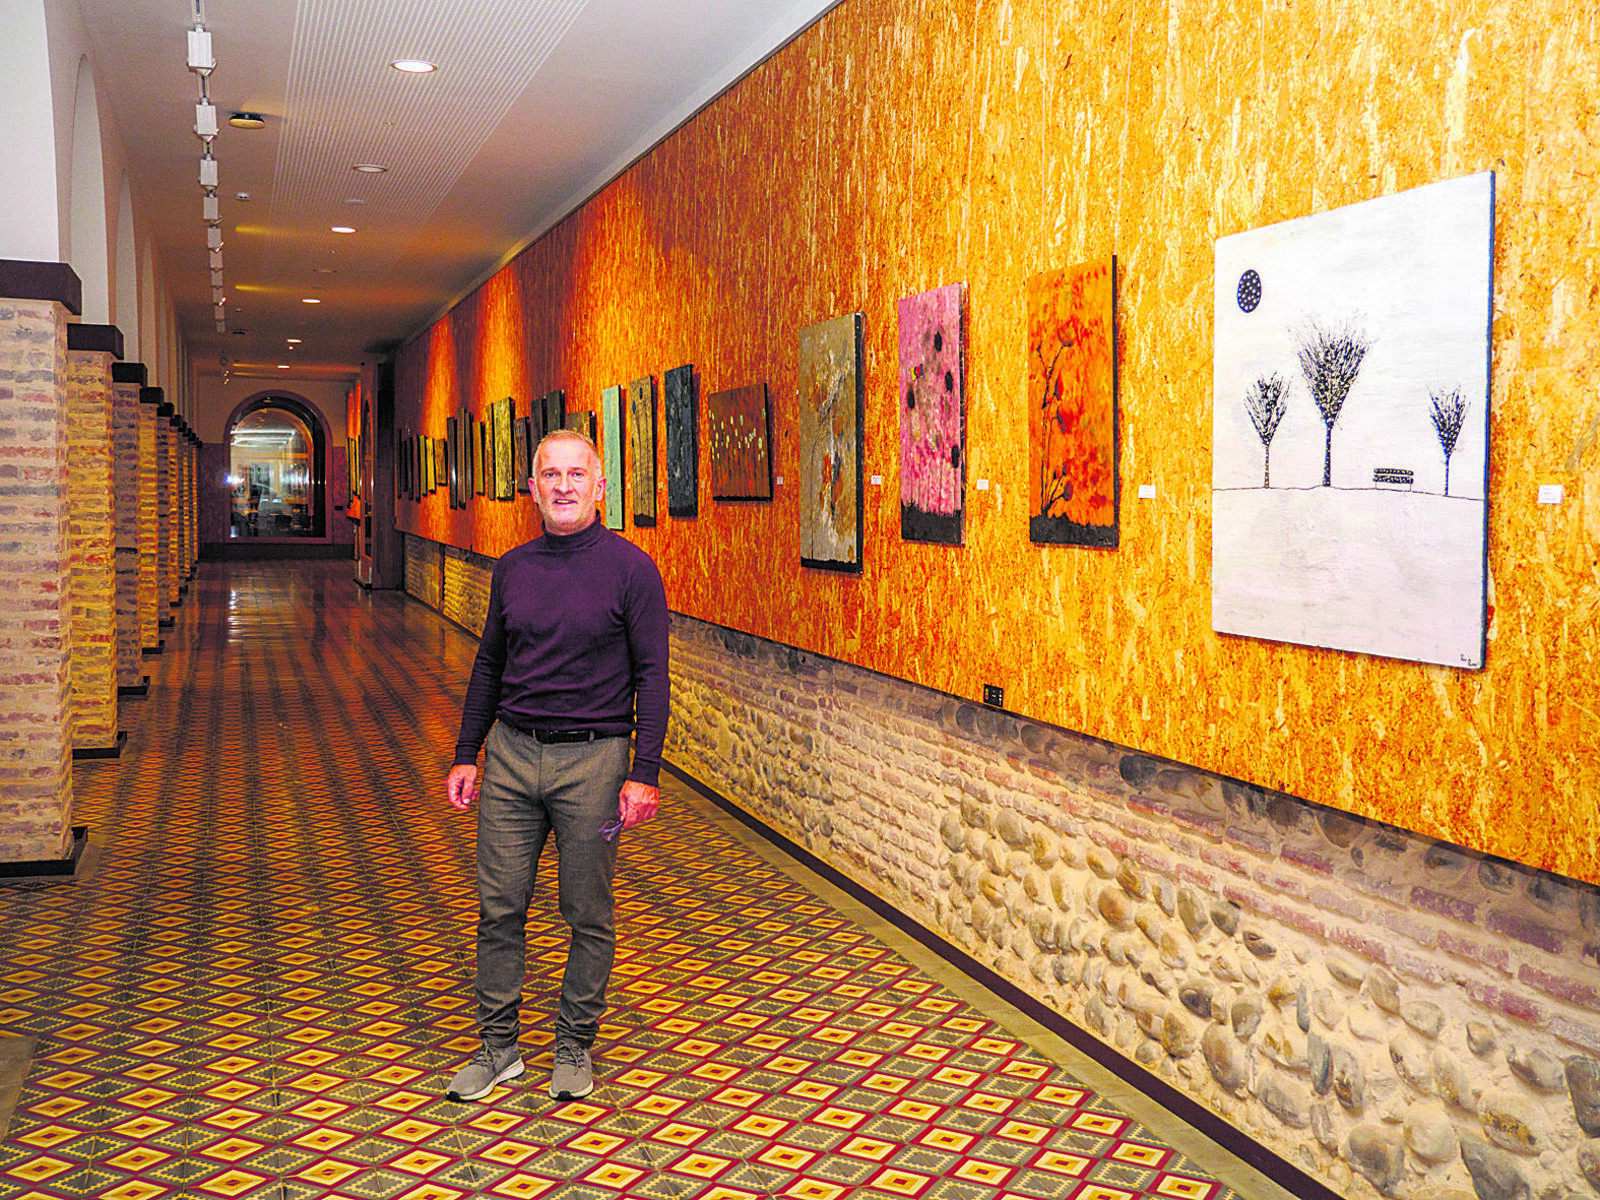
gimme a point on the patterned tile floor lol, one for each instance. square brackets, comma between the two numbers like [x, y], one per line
[267, 981]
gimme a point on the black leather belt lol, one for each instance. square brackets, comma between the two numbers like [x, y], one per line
[548, 737]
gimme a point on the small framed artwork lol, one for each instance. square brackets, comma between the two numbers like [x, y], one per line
[353, 465]
[452, 474]
[1072, 405]
[642, 449]
[581, 422]
[932, 418]
[480, 458]
[464, 453]
[554, 409]
[831, 423]
[738, 438]
[505, 478]
[611, 452]
[520, 466]
[439, 474]
[683, 443]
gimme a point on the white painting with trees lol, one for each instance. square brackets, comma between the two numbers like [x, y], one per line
[1350, 426]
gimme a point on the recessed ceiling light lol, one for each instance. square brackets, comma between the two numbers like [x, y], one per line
[355, 200]
[247, 120]
[294, 341]
[241, 195]
[413, 66]
[283, 366]
[326, 270]
[309, 300]
[343, 228]
[370, 168]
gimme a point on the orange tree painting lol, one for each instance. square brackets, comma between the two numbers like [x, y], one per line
[1072, 405]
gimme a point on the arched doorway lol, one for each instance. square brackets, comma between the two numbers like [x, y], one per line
[277, 470]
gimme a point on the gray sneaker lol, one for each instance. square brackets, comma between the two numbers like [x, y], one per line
[490, 1066]
[572, 1077]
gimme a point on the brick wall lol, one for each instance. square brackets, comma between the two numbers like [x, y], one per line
[125, 491]
[1390, 1013]
[425, 571]
[163, 583]
[466, 587]
[35, 560]
[94, 581]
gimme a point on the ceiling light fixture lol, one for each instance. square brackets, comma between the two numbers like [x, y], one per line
[294, 341]
[309, 300]
[241, 196]
[209, 209]
[413, 66]
[370, 168]
[247, 120]
[213, 237]
[283, 366]
[205, 120]
[208, 170]
[342, 228]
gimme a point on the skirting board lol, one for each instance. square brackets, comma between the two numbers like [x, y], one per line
[1279, 1170]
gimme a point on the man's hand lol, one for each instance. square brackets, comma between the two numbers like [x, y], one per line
[461, 786]
[637, 803]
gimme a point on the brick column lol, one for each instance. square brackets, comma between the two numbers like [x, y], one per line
[90, 351]
[127, 380]
[191, 524]
[35, 561]
[151, 610]
[166, 577]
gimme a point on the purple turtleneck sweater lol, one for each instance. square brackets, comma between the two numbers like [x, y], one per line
[575, 638]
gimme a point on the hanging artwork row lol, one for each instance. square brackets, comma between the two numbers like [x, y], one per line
[1350, 426]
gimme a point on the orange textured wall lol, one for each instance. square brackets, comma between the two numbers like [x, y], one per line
[895, 147]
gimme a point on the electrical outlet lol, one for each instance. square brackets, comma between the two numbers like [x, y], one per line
[994, 694]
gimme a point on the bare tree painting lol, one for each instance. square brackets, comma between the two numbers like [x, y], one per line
[1371, 322]
[1449, 412]
[1266, 405]
[1330, 359]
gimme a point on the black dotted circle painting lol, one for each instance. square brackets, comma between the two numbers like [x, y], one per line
[1249, 291]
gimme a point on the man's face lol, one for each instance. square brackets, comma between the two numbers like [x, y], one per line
[568, 485]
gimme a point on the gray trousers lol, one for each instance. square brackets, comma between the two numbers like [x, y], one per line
[528, 791]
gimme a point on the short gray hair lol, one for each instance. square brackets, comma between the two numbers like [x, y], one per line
[569, 435]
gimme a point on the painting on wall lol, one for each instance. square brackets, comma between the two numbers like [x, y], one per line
[352, 471]
[402, 475]
[582, 422]
[831, 431]
[520, 466]
[933, 465]
[642, 449]
[452, 459]
[439, 473]
[553, 412]
[427, 464]
[1350, 426]
[1072, 405]
[480, 457]
[683, 442]
[505, 476]
[738, 442]
[611, 453]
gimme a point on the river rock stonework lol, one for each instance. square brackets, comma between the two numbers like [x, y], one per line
[1393, 1015]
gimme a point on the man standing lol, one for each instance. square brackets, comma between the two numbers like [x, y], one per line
[573, 659]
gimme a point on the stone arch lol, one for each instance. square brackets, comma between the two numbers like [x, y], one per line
[30, 219]
[89, 247]
[125, 309]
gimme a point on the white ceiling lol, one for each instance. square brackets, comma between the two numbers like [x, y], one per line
[536, 104]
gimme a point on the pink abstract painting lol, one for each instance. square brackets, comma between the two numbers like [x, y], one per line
[932, 417]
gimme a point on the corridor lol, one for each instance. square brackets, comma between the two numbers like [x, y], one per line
[264, 979]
